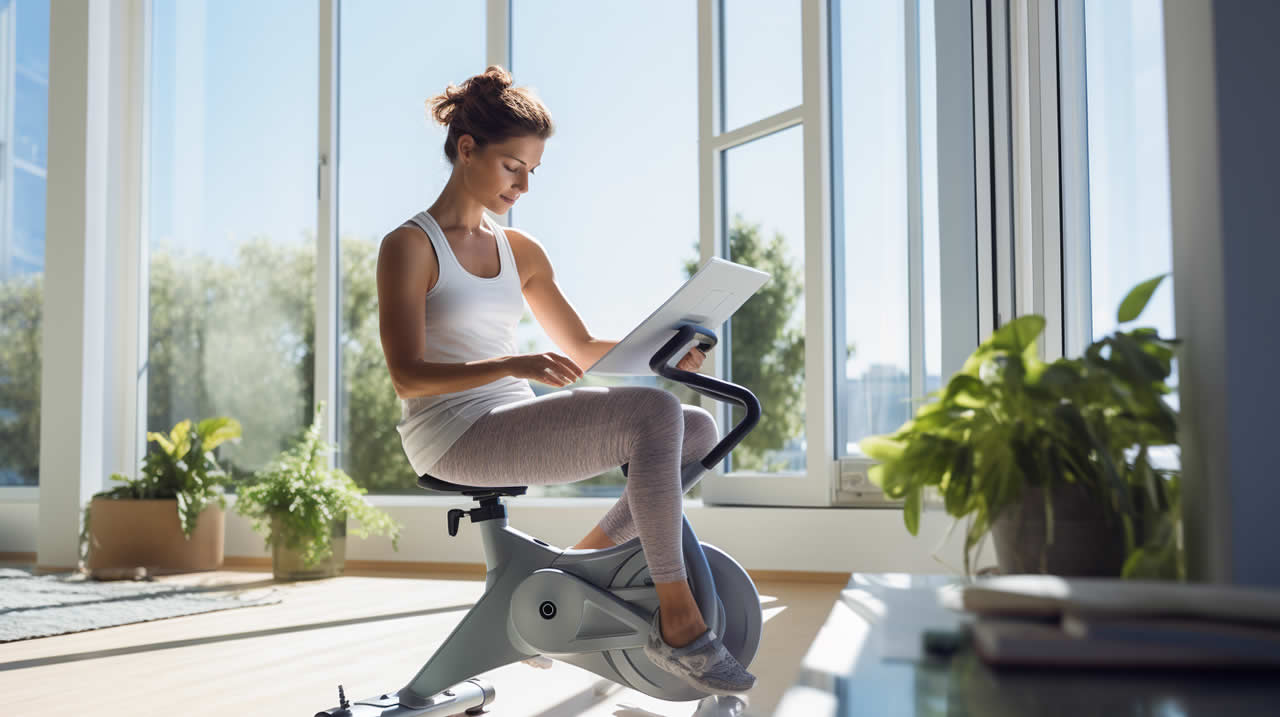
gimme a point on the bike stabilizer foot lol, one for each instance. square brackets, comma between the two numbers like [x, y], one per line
[470, 697]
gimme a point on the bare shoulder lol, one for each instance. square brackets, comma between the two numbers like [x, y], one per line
[522, 240]
[531, 256]
[405, 239]
[406, 251]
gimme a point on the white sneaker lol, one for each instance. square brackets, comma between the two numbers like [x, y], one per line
[703, 663]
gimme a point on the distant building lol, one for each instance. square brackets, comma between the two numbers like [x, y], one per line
[879, 401]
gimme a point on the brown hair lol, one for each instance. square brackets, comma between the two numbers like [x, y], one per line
[489, 109]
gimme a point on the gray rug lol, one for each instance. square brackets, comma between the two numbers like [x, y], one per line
[44, 605]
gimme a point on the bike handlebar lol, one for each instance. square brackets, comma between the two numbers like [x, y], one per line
[705, 339]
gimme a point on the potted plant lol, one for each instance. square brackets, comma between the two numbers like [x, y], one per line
[300, 504]
[170, 518]
[1056, 459]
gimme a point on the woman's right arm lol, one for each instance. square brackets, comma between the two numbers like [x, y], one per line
[405, 263]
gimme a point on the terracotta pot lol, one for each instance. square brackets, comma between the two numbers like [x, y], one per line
[287, 563]
[147, 534]
[1086, 540]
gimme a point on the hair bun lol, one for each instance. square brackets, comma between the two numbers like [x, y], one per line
[489, 109]
[443, 107]
[493, 80]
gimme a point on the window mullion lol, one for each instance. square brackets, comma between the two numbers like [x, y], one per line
[915, 218]
[327, 355]
[497, 51]
[820, 374]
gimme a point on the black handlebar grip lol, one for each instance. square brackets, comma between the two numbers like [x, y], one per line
[714, 388]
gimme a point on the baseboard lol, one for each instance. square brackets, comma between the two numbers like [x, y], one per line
[808, 577]
[381, 567]
[374, 568]
[371, 567]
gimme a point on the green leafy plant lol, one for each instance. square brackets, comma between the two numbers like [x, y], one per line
[1008, 420]
[184, 469]
[306, 494]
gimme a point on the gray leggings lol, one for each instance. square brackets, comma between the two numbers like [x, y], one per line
[572, 435]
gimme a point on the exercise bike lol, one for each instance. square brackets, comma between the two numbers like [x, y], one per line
[590, 608]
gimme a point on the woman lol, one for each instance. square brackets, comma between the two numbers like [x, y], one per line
[469, 415]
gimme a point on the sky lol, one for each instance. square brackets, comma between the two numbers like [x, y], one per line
[233, 141]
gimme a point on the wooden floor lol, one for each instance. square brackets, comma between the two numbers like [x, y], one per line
[369, 632]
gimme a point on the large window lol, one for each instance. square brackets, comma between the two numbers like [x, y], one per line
[391, 166]
[1130, 237]
[231, 215]
[24, 139]
[764, 217]
[887, 225]
[615, 201]
[761, 220]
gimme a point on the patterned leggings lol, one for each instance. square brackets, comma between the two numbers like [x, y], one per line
[576, 434]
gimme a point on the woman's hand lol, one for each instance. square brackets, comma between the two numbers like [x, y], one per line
[549, 368]
[692, 361]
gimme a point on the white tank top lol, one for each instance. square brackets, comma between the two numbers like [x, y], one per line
[468, 318]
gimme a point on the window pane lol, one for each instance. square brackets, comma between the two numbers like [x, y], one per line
[391, 167]
[22, 236]
[871, 122]
[618, 186]
[764, 216]
[761, 69]
[232, 220]
[1130, 237]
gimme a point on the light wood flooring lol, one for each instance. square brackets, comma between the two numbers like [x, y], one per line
[371, 632]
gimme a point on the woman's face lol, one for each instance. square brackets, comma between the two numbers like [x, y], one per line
[498, 173]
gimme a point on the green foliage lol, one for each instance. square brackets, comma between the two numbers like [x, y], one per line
[20, 375]
[239, 337]
[767, 354]
[306, 495]
[234, 338]
[1008, 419]
[184, 468]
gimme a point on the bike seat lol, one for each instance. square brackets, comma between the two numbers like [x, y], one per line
[429, 482]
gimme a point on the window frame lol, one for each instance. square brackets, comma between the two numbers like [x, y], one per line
[813, 487]
[962, 205]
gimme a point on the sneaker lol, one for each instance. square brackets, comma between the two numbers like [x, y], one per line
[703, 663]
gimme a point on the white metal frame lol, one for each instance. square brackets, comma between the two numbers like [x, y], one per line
[1077, 294]
[813, 487]
[1001, 99]
[89, 391]
[983, 147]
[915, 206]
[1037, 225]
[961, 249]
[328, 285]
[130, 292]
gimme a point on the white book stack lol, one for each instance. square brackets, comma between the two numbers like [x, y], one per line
[1095, 622]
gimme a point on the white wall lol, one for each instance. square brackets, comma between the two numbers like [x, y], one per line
[800, 539]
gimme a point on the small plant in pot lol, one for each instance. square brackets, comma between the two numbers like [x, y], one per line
[300, 504]
[1056, 459]
[170, 518]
